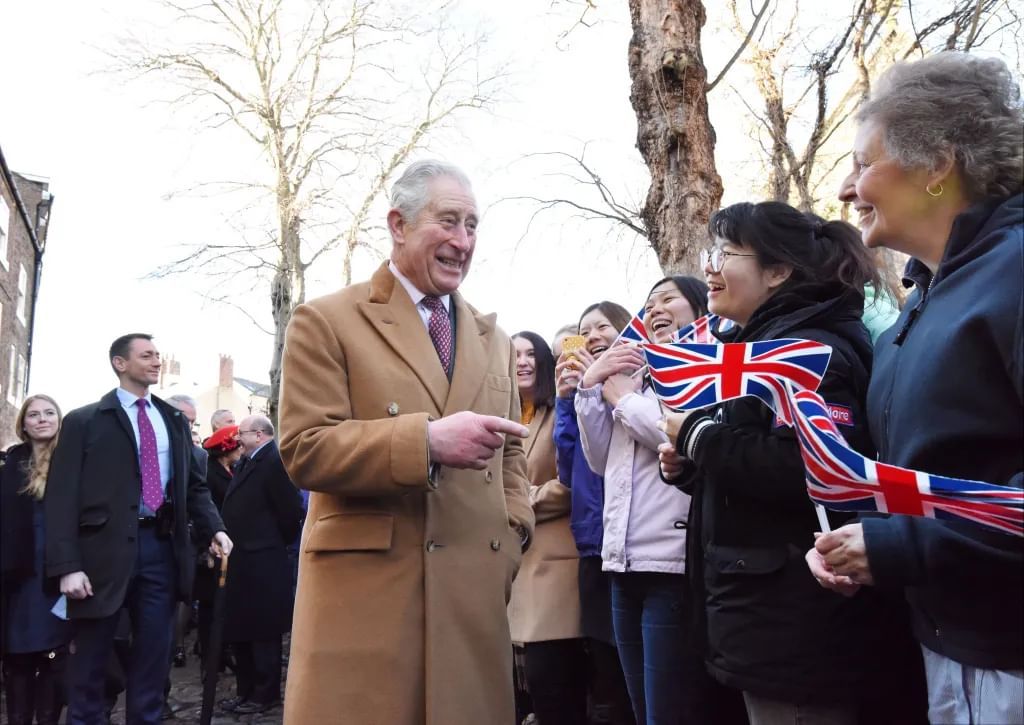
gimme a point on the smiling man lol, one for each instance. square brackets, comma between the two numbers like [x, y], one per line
[397, 411]
[122, 489]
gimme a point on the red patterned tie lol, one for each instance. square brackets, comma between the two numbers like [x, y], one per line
[440, 329]
[149, 463]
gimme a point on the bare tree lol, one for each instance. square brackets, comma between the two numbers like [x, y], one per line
[311, 85]
[674, 134]
[831, 78]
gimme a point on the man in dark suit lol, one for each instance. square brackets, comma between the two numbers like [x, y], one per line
[263, 512]
[122, 488]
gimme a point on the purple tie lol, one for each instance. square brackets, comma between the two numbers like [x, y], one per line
[440, 329]
[149, 464]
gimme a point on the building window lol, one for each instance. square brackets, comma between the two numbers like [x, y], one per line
[16, 378]
[22, 305]
[5, 221]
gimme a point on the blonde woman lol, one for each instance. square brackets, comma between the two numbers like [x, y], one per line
[34, 640]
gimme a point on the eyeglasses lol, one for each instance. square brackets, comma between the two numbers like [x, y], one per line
[250, 431]
[715, 258]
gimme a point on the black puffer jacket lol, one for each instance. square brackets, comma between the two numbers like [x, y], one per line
[770, 628]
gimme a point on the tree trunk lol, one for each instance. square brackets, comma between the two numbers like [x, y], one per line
[287, 291]
[674, 134]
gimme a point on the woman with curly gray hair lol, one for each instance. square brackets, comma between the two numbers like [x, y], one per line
[937, 173]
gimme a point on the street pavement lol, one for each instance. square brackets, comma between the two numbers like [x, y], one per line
[186, 698]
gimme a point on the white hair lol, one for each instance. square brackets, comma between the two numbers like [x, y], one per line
[958, 104]
[410, 193]
[180, 398]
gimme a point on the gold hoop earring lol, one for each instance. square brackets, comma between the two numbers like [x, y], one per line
[936, 194]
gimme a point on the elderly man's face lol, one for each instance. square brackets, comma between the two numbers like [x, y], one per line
[435, 251]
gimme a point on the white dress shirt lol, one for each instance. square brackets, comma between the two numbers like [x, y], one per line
[417, 296]
[163, 439]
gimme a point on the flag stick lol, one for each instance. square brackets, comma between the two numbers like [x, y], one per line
[822, 518]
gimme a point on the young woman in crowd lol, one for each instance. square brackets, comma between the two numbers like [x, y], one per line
[599, 325]
[797, 653]
[937, 169]
[644, 532]
[34, 639]
[544, 611]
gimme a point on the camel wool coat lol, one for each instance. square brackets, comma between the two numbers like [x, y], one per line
[400, 615]
[545, 601]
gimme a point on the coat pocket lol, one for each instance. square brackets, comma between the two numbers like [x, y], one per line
[91, 520]
[744, 560]
[351, 532]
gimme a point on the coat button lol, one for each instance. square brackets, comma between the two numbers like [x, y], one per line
[495, 544]
[392, 409]
[488, 477]
[741, 564]
[431, 547]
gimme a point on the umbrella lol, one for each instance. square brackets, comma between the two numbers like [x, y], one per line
[214, 646]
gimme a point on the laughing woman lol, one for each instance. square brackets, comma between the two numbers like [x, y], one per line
[798, 653]
[937, 169]
[599, 325]
[544, 610]
[34, 640]
[644, 521]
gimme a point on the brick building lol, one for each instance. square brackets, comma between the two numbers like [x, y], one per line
[25, 203]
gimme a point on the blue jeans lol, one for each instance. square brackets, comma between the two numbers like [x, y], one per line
[649, 614]
[150, 603]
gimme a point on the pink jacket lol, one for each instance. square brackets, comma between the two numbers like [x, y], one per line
[644, 518]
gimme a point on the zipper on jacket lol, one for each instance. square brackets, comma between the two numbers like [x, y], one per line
[901, 336]
[914, 314]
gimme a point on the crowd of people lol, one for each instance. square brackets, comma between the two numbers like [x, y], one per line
[502, 530]
[114, 620]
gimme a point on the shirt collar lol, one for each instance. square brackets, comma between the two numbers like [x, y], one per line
[262, 446]
[414, 293]
[128, 399]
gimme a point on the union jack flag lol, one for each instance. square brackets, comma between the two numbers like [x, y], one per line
[841, 479]
[695, 375]
[634, 332]
[698, 331]
[701, 329]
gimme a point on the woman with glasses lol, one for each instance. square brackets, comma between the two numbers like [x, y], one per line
[34, 639]
[644, 521]
[796, 655]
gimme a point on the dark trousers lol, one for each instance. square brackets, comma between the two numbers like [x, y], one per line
[258, 670]
[556, 677]
[150, 603]
[649, 613]
[609, 698]
[34, 686]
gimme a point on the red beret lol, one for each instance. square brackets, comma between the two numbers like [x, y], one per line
[224, 440]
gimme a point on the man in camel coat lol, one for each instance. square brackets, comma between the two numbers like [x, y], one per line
[399, 411]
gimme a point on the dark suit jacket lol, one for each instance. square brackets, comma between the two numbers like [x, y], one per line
[262, 508]
[92, 503]
[263, 512]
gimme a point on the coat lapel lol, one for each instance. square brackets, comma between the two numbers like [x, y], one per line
[111, 402]
[392, 313]
[473, 334]
[539, 416]
[237, 479]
